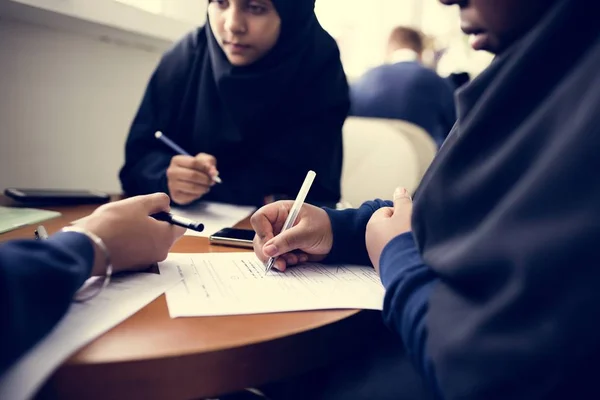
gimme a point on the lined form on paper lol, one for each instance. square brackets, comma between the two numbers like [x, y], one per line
[214, 216]
[236, 283]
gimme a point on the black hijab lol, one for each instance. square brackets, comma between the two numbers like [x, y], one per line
[508, 216]
[300, 75]
[268, 123]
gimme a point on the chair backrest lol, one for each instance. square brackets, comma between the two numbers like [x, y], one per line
[425, 146]
[378, 157]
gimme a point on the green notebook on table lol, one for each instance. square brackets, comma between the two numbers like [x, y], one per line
[16, 217]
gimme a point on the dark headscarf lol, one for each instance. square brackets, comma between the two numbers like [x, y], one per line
[509, 217]
[267, 123]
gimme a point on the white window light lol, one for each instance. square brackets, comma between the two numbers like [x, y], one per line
[153, 6]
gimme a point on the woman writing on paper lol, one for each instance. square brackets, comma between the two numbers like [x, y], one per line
[492, 279]
[257, 96]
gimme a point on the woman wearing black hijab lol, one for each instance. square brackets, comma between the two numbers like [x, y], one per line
[494, 284]
[258, 95]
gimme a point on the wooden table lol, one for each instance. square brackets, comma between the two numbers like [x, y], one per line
[152, 356]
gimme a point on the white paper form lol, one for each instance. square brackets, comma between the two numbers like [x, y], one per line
[235, 283]
[214, 216]
[84, 322]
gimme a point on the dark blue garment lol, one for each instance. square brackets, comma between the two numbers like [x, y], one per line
[37, 282]
[507, 217]
[374, 366]
[407, 280]
[407, 91]
[496, 294]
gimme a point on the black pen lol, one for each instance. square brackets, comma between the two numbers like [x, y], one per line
[179, 221]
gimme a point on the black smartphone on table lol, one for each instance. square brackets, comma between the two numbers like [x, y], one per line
[233, 237]
[57, 196]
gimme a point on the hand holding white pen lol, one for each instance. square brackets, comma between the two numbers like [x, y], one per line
[291, 218]
[288, 233]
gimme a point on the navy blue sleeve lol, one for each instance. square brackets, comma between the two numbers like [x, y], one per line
[408, 283]
[349, 227]
[37, 282]
[407, 280]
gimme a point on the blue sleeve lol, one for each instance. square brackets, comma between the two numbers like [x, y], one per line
[37, 282]
[408, 283]
[349, 227]
[407, 280]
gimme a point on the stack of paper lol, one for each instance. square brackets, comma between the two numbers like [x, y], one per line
[236, 283]
[214, 216]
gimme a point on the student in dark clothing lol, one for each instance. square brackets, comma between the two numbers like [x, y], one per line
[38, 278]
[249, 94]
[405, 89]
[492, 278]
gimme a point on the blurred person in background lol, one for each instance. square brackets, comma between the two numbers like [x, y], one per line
[405, 89]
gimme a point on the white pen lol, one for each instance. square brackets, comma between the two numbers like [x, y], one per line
[177, 149]
[40, 233]
[291, 218]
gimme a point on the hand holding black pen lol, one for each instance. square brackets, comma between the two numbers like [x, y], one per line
[179, 221]
[177, 149]
[122, 236]
[189, 177]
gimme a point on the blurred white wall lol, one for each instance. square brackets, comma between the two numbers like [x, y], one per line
[362, 29]
[68, 94]
[66, 102]
[182, 10]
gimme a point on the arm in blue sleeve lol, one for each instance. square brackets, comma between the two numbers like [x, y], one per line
[349, 227]
[37, 282]
[408, 283]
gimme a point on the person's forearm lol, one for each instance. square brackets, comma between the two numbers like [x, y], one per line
[408, 283]
[348, 227]
[37, 282]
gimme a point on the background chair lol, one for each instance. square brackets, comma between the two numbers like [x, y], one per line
[423, 143]
[380, 155]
